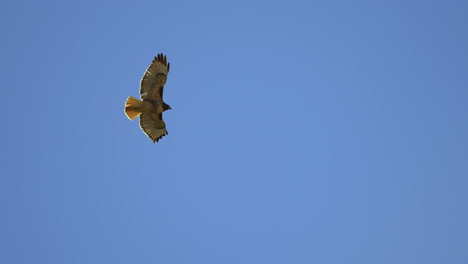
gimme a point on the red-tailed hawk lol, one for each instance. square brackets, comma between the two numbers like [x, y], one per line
[151, 106]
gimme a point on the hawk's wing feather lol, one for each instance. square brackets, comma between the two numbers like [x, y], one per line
[153, 126]
[152, 83]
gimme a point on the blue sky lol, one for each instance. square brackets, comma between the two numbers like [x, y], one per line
[301, 132]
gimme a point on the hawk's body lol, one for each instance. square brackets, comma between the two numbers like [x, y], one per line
[151, 106]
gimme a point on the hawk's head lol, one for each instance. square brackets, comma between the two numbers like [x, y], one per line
[166, 107]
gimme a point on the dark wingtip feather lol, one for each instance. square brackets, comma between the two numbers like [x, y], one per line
[162, 58]
[157, 139]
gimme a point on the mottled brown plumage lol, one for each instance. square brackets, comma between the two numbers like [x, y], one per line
[151, 106]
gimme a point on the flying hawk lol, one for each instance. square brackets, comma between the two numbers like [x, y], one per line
[151, 106]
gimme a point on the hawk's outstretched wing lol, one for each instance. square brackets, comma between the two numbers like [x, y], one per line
[153, 126]
[152, 83]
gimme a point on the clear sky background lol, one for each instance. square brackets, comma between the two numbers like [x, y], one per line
[301, 132]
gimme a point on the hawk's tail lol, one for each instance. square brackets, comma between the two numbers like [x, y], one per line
[129, 110]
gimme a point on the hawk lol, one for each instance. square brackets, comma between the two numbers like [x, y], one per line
[151, 106]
